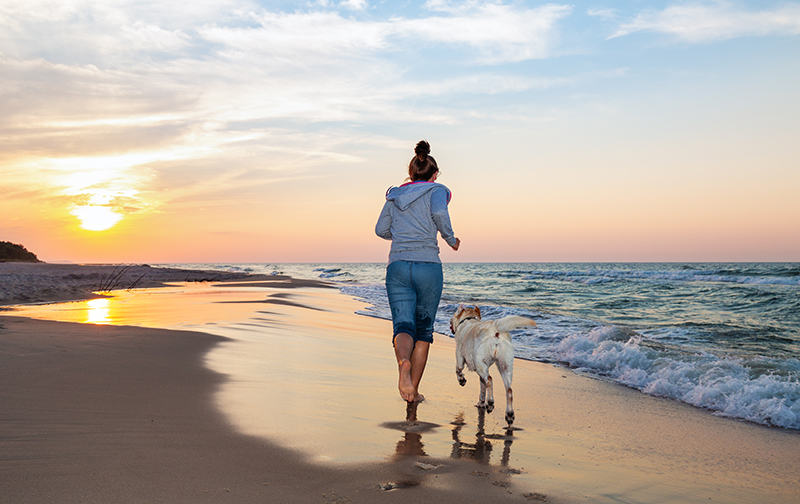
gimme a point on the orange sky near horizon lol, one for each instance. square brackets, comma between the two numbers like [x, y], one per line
[250, 133]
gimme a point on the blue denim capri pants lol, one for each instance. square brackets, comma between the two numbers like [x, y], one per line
[414, 290]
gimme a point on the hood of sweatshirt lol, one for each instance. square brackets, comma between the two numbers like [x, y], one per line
[407, 194]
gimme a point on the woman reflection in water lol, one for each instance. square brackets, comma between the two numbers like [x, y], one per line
[411, 218]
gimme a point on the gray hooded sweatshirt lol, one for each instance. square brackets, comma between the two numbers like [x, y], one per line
[411, 217]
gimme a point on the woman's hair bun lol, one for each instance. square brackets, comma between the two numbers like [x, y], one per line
[422, 166]
[422, 149]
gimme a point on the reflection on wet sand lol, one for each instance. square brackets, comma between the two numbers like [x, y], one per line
[481, 450]
[411, 445]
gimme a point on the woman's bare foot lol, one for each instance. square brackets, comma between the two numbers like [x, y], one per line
[419, 398]
[405, 385]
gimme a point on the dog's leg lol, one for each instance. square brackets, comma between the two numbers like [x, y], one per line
[482, 397]
[460, 362]
[509, 406]
[489, 395]
[486, 399]
[506, 372]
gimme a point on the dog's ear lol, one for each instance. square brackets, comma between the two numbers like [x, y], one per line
[478, 310]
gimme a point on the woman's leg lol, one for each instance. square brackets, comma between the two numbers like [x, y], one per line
[428, 281]
[419, 357]
[402, 300]
[404, 350]
[411, 361]
[414, 290]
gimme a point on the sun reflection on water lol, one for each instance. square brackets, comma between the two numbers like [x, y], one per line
[98, 311]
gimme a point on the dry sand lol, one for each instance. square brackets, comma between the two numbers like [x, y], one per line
[293, 399]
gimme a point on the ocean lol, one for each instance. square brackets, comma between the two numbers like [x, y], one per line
[724, 337]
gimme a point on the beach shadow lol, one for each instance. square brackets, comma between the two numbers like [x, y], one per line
[279, 298]
[481, 449]
[277, 282]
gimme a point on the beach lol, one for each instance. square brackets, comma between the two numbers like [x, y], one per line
[272, 389]
[27, 282]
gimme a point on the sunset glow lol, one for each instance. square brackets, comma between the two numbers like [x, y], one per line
[96, 218]
[248, 131]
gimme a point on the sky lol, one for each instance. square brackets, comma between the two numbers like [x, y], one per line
[243, 131]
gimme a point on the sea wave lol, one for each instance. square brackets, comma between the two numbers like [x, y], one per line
[331, 273]
[596, 276]
[762, 391]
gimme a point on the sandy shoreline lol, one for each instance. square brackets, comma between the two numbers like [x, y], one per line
[102, 413]
[118, 414]
[25, 283]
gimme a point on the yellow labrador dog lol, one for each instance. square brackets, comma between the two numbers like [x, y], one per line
[481, 343]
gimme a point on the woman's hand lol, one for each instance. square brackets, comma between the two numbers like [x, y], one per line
[458, 244]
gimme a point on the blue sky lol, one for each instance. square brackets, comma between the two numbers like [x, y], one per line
[268, 131]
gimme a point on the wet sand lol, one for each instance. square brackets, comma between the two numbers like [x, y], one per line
[287, 396]
[28, 283]
[118, 414]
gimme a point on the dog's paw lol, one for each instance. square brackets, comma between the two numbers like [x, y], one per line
[489, 406]
[462, 381]
[510, 417]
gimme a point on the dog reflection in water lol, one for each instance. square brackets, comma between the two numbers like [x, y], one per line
[411, 445]
[481, 450]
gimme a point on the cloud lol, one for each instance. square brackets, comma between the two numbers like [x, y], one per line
[114, 34]
[501, 33]
[497, 84]
[715, 21]
[242, 65]
[156, 101]
[603, 13]
[299, 38]
[85, 32]
[354, 4]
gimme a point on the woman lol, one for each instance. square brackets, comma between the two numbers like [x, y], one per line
[411, 217]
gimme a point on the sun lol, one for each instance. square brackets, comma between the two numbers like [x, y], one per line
[96, 218]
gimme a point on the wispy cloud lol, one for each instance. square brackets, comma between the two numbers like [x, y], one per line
[704, 22]
[124, 67]
[500, 33]
[354, 4]
[132, 104]
[612, 14]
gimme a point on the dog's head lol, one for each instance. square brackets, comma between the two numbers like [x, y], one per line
[463, 312]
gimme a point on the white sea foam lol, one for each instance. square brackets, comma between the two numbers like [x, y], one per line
[723, 385]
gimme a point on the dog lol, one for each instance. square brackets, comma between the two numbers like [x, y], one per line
[481, 343]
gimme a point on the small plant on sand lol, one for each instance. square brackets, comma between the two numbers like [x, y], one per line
[114, 280]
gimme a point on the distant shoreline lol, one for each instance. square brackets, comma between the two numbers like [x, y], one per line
[30, 282]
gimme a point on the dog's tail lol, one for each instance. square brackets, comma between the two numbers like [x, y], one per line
[511, 322]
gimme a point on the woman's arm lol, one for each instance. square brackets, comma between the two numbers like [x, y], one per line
[384, 225]
[441, 217]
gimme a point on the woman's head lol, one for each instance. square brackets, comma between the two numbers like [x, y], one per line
[422, 165]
